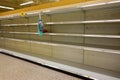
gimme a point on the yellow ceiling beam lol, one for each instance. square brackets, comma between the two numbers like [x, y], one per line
[43, 6]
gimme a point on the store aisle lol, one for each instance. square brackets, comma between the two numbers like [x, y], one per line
[15, 69]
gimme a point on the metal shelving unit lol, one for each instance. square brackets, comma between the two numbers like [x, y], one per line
[83, 46]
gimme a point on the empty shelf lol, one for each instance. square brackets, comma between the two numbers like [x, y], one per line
[67, 22]
[68, 34]
[90, 47]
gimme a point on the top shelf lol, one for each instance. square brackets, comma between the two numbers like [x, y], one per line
[96, 4]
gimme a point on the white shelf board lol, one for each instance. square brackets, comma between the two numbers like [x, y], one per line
[28, 24]
[83, 35]
[84, 22]
[67, 22]
[68, 34]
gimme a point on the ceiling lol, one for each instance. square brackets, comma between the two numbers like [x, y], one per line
[16, 3]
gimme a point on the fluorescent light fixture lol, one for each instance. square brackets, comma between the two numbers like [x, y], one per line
[26, 3]
[90, 5]
[5, 7]
[116, 1]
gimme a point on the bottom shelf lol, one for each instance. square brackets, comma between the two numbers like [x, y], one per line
[80, 69]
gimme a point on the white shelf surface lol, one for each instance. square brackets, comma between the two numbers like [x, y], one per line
[84, 22]
[83, 70]
[83, 35]
[79, 46]
[67, 22]
[68, 34]
[27, 24]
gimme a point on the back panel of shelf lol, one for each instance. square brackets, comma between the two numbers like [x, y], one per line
[102, 59]
[103, 14]
[90, 57]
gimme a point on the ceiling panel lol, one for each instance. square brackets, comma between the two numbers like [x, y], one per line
[16, 3]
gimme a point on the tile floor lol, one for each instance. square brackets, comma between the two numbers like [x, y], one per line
[16, 69]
